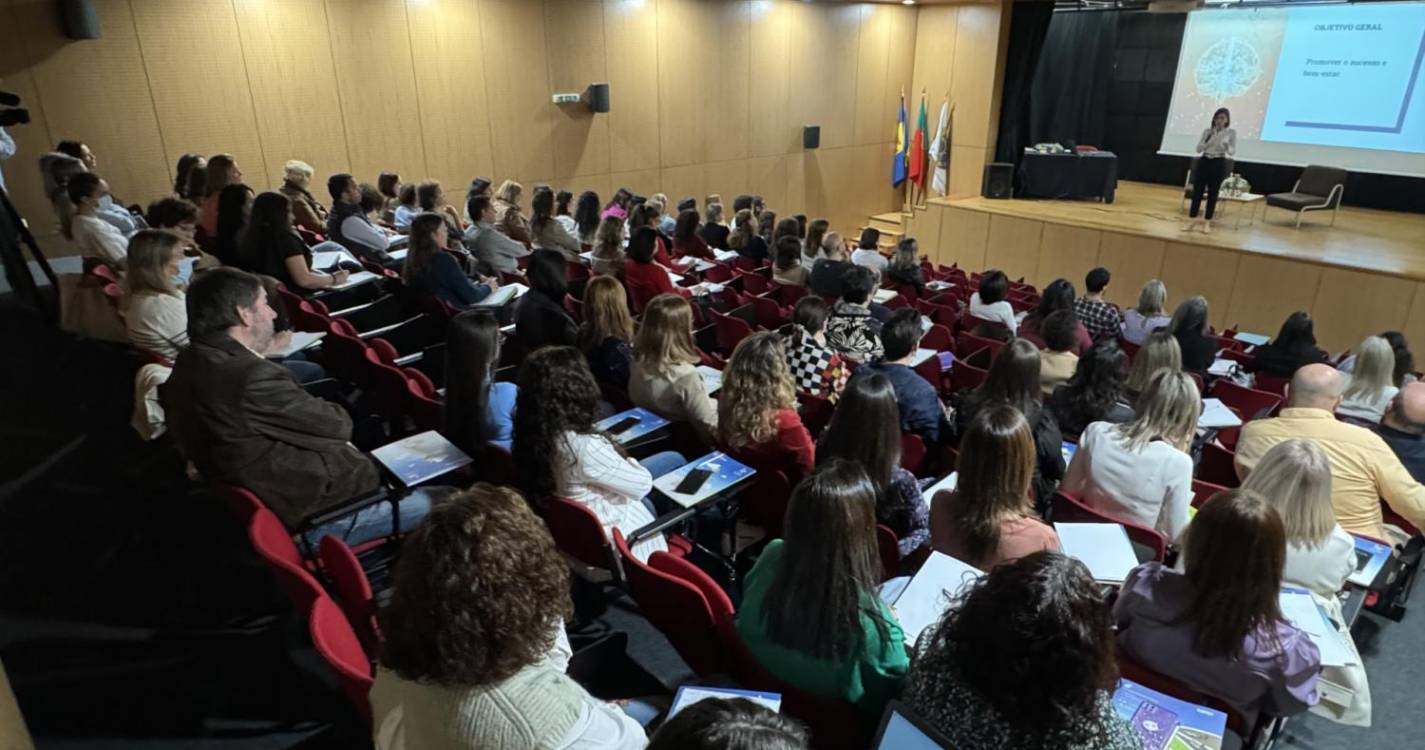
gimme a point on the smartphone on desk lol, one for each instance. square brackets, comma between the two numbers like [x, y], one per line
[693, 481]
[623, 425]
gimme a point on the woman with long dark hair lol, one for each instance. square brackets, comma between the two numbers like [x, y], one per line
[545, 231]
[234, 202]
[606, 335]
[1217, 145]
[1095, 392]
[560, 452]
[540, 318]
[1293, 348]
[186, 164]
[431, 269]
[686, 240]
[1217, 626]
[989, 517]
[222, 171]
[810, 612]
[866, 429]
[1058, 295]
[1190, 327]
[478, 410]
[586, 217]
[272, 247]
[1023, 659]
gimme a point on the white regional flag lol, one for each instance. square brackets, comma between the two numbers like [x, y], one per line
[940, 150]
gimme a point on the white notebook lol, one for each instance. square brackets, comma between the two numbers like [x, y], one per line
[712, 379]
[1103, 547]
[356, 279]
[948, 484]
[300, 340]
[1300, 609]
[930, 592]
[882, 296]
[503, 295]
[1216, 414]
[920, 356]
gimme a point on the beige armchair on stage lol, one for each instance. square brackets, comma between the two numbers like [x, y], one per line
[1319, 189]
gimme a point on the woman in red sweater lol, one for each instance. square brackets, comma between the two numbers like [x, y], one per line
[686, 241]
[644, 278]
[756, 410]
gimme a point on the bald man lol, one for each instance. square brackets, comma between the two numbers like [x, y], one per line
[1403, 428]
[1364, 469]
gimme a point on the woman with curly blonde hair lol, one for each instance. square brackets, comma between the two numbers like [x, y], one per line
[475, 651]
[757, 410]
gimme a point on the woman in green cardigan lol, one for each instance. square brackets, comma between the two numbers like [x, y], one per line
[810, 613]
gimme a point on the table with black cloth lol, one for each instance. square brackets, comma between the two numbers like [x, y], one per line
[1068, 175]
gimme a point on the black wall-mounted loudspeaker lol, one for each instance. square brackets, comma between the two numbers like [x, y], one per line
[999, 180]
[597, 97]
[81, 20]
[811, 136]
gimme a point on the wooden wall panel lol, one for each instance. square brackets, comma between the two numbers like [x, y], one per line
[194, 62]
[873, 54]
[965, 238]
[631, 49]
[773, 130]
[517, 84]
[1066, 252]
[96, 91]
[1014, 246]
[288, 56]
[575, 55]
[1265, 287]
[1190, 270]
[1133, 261]
[376, 81]
[767, 176]
[643, 182]
[703, 99]
[22, 180]
[935, 41]
[1350, 306]
[973, 84]
[924, 228]
[825, 90]
[454, 123]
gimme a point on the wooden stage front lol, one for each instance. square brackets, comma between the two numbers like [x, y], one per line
[1362, 276]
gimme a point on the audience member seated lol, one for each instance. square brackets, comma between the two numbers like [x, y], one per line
[1058, 360]
[1217, 627]
[1403, 428]
[195, 184]
[867, 253]
[608, 256]
[1295, 478]
[1141, 472]
[713, 231]
[222, 172]
[648, 215]
[989, 517]
[904, 267]
[766, 228]
[495, 252]
[1141, 321]
[921, 412]
[560, 452]
[1189, 326]
[1059, 295]
[478, 409]
[852, 330]
[430, 198]
[431, 270]
[271, 246]
[619, 204]
[989, 302]
[244, 420]
[187, 163]
[478, 187]
[234, 206]
[1159, 352]
[1364, 470]
[665, 379]
[1293, 348]
[406, 208]
[866, 430]
[606, 335]
[813, 248]
[540, 318]
[816, 369]
[667, 219]
[509, 218]
[586, 217]
[389, 185]
[729, 724]
[475, 652]
[1100, 317]
[644, 278]
[307, 212]
[1013, 379]
[788, 269]
[826, 273]
[349, 226]
[810, 612]
[180, 217]
[1368, 387]
[757, 420]
[687, 243]
[155, 312]
[94, 237]
[1025, 661]
[545, 230]
[745, 240]
[1095, 392]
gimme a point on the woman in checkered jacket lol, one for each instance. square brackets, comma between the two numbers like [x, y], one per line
[815, 368]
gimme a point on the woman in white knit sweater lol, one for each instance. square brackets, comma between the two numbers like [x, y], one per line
[475, 651]
[155, 311]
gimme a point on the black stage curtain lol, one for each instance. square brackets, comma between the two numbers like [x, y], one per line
[1070, 89]
[1028, 24]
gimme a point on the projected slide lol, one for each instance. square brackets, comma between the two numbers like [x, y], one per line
[1339, 85]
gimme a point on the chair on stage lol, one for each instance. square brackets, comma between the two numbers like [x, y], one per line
[1319, 189]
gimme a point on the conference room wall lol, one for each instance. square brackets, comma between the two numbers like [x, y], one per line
[707, 95]
[1250, 291]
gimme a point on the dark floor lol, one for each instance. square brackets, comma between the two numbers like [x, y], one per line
[133, 613]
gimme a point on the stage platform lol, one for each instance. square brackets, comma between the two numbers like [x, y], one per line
[1362, 276]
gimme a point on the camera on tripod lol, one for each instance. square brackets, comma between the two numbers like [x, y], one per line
[10, 111]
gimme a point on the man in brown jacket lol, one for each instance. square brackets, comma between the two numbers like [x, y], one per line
[243, 420]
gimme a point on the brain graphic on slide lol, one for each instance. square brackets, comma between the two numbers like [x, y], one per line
[1227, 69]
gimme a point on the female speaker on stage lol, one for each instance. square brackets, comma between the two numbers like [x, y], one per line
[1217, 144]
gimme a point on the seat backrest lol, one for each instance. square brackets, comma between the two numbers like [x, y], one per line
[770, 315]
[835, 724]
[275, 546]
[913, 451]
[392, 389]
[938, 338]
[578, 533]
[1319, 180]
[678, 609]
[1203, 491]
[765, 503]
[1252, 403]
[241, 502]
[353, 590]
[968, 343]
[965, 376]
[888, 545]
[1216, 466]
[730, 330]
[1070, 509]
[336, 642]
[815, 412]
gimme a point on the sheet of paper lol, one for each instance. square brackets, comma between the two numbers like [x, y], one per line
[1216, 414]
[1299, 609]
[420, 458]
[1221, 367]
[938, 285]
[328, 258]
[1067, 450]
[357, 279]
[300, 340]
[712, 379]
[503, 295]
[920, 356]
[399, 254]
[689, 694]
[930, 592]
[947, 484]
[882, 296]
[724, 255]
[1255, 339]
[1103, 547]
